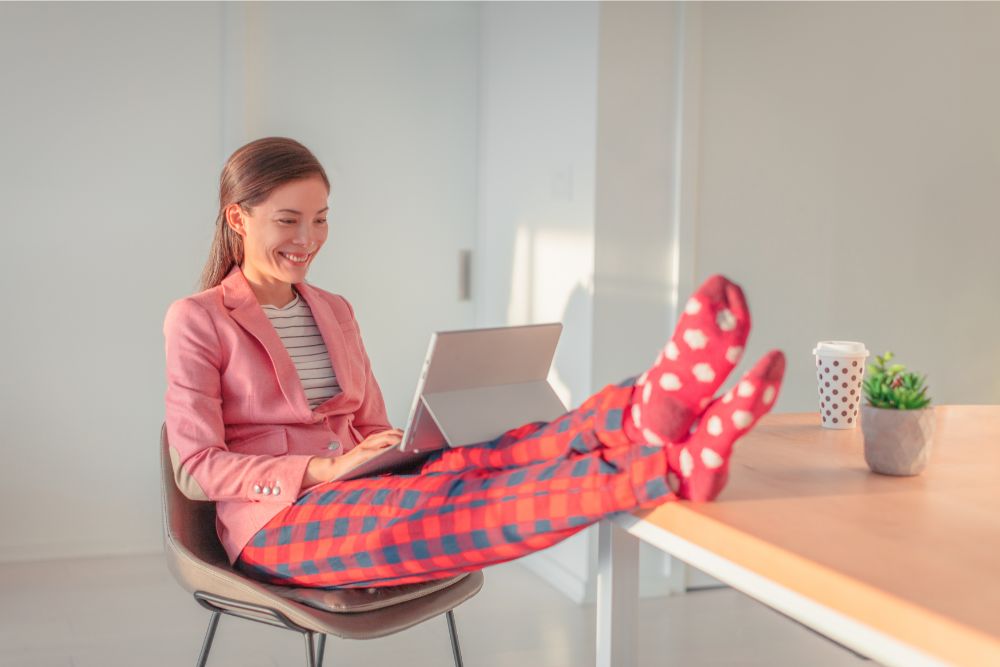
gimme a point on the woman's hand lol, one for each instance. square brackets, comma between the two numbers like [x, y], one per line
[323, 469]
[379, 441]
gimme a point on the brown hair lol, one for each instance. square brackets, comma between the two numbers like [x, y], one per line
[249, 176]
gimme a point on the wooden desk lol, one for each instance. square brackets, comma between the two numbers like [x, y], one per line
[905, 570]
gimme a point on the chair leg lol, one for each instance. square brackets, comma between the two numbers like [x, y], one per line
[310, 649]
[206, 645]
[454, 638]
[320, 648]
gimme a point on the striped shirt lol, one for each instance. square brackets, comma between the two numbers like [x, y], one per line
[297, 330]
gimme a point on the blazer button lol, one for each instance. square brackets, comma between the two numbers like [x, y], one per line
[256, 488]
[333, 445]
[276, 491]
[267, 491]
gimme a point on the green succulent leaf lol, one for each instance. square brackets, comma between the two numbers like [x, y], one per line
[894, 387]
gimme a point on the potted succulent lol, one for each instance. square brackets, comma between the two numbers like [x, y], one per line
[897, 420]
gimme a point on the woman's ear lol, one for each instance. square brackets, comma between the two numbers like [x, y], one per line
[235, 219]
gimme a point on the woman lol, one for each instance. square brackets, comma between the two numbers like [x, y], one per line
[270, 394]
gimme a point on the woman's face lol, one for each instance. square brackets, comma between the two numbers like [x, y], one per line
[290, 225]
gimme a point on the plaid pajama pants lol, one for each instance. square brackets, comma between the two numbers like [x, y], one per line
[467, 507]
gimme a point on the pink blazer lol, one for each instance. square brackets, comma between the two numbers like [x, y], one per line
[240, 427]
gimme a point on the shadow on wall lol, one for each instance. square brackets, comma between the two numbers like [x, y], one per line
[571, 368]
[552, 280]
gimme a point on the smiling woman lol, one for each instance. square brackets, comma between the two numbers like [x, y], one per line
[272, 464]
[280, 243]
[273, 196]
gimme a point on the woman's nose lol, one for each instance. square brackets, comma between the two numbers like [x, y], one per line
[307, 237]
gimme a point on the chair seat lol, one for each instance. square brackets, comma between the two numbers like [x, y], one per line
[346, 613]
[359, 600]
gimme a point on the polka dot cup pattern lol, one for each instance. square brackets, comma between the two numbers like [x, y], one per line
[840, 369]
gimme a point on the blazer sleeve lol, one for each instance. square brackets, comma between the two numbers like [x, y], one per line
[203, 466]
[370, 417]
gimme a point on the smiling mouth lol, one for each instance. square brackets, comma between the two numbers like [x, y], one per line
[296, 259]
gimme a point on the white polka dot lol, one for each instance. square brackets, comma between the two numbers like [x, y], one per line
[687, 463]
[642, 378]
[714, 426]
[673, 482]
[710, 459]
[768, 395]
[636, 414]
[670, 382]
[725, 319]
[733, 354]
[671, 351]
[651, 437]
[728, 397]
[693, 306]
[703, 372]
[695, 339]
[745, 389]
[742, 418]
[646, 391]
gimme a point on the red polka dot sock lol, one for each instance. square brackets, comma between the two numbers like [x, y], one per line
[705, 347]
[698, 466]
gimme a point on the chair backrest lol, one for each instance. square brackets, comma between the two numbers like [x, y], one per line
[188, 525]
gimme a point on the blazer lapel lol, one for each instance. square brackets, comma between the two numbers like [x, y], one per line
[238, 296]
[330, 328]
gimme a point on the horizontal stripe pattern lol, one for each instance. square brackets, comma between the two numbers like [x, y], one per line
[300, 335]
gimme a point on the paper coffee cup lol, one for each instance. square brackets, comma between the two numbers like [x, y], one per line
[840, 369]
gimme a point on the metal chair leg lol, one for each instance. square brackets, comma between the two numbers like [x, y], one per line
[315, 641]
[310, 650]
[453, 633]
[320, 648]
[206, 645]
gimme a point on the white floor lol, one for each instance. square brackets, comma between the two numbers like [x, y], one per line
[128, 611]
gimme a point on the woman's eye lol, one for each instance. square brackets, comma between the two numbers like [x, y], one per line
[288, 221]
[322, 222]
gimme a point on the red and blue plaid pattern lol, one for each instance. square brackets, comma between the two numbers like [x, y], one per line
[467, 507]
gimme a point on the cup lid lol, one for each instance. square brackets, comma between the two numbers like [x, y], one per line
[846, 348]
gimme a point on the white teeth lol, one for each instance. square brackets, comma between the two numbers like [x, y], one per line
[295, 258]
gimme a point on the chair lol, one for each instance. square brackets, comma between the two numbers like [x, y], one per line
[198, 562]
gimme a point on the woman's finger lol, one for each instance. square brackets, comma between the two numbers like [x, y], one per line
[382, 440]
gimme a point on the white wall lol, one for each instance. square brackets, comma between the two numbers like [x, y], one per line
[115, 123]
[108, 170]
[538, 90]
[835, 159]
[637, 209]
[637, 186]
[849, 162]
[535, 259]
[576, 203]
[386, 94]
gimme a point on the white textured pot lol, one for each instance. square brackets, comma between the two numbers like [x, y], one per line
[897, 442]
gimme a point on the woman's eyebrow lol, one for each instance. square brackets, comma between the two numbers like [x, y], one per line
[292, 210]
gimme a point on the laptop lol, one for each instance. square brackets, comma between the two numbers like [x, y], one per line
[475, 385]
